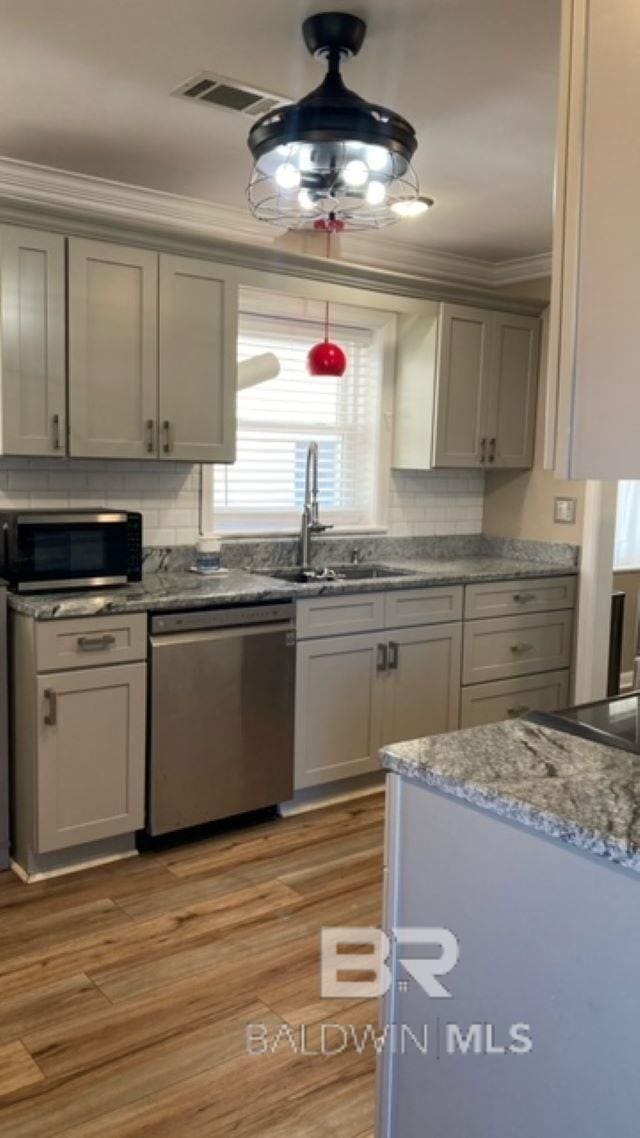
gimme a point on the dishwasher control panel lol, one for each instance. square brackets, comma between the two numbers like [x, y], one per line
[238, 616]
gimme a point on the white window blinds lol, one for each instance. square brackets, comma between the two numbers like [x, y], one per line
[264, 489]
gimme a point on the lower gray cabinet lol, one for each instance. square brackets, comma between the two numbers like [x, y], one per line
[78, 736]
[338, 708]
[90, 755]
[422, 685]
[509, 699]
[356, 693]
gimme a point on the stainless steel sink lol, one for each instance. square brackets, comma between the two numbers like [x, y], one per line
[336, 573]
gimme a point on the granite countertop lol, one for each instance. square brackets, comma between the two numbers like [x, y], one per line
[163, 590]
[580, 792]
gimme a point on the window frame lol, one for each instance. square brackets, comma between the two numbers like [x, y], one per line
[384, 323]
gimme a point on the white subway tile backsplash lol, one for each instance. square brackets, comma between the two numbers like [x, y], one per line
[435, 502]
[420, 504]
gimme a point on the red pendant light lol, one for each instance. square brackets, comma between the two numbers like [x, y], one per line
[327, 358]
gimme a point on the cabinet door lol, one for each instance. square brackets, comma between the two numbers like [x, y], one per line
[32, 338]
[338, 709]
[90, 755]
[462, 393]
[113, 350]
[198, 368]
[513, 387]
[422, 695]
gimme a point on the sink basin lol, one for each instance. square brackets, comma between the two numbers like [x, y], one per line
[336, 573]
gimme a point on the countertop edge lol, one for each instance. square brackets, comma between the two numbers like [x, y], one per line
[526, 815]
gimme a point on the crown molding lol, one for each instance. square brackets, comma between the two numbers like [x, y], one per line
[26, 184]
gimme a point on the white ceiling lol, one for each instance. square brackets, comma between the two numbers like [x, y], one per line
[85, 86]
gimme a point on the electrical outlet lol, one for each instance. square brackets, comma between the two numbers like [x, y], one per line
[564, 511]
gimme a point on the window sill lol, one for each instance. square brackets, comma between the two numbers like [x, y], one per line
[264, 535]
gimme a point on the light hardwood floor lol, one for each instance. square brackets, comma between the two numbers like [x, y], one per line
[125, 991]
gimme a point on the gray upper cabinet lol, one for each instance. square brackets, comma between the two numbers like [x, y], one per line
[514, 383]
[466, 387]
[593, 393]
[113, 350]
[462, 389]
[32, 342]
[197, 410]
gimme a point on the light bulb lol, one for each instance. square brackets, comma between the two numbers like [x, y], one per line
[305, 201]
[287, 176]
[377, 158]
[412, 207]
[355, 172]
[376, 193]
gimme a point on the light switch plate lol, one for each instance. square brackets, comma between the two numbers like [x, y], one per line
[564, 511]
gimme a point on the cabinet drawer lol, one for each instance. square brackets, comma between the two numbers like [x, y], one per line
[336, 616]
[87, 641]
[516, 646]
[506, 598]
[411, 607]
[507, 699]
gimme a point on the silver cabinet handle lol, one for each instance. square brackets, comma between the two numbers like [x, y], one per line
[96, 643]
[492, 450]
[483, 450]
[167, 445]
[393, 654]
[51, 714]
[523, 647]
[519, 709]
[55, 430]
[524, 598]
[381, 662]
[149, 425]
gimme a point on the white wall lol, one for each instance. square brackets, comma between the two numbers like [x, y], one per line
[168, 495]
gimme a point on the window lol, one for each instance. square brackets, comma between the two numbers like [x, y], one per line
[264, 489]
[627, 546]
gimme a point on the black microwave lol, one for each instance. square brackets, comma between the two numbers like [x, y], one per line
[70, 549]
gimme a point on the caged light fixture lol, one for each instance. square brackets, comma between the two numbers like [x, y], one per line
[333, 161]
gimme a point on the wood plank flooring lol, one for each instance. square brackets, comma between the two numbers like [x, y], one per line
[125, 991]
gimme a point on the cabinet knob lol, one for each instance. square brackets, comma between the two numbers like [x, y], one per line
[96, 643]
[522, 647]
[519, 709]
[524, 598]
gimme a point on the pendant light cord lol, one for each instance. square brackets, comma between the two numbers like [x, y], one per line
[326, 306]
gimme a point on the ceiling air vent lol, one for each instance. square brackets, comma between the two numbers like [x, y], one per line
[228, 94]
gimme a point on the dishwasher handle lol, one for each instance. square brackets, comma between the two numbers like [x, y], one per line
[196, 636]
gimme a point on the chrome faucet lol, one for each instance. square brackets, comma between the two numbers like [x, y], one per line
[310, 522]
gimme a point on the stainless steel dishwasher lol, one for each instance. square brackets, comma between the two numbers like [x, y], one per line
[222, 713]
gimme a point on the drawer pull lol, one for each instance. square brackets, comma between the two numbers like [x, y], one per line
[524, 598]
[381, 663]
[149, 427]
[523, 647]
[483, 450]
[51, 714]
[167, 445]
[96, 643]
[519, 709]
[393, 655]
